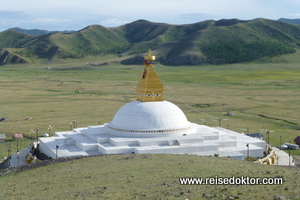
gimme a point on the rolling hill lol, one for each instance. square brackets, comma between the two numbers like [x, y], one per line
[213, 42]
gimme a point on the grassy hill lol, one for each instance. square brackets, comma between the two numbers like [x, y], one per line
[93, 40]
[147, 177]
[213, 42]
[13, 39]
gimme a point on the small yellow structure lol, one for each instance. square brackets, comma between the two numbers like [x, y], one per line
[31, 159]
[150, 88]
[270, 159]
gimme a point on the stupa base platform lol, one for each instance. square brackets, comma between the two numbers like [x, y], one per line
[205, 141]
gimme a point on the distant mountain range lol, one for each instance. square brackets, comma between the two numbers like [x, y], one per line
[291, 21]
[214, 42]
[36, 32]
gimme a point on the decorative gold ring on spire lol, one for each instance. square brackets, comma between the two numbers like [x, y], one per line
[149, 58]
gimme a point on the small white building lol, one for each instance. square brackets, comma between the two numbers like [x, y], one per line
[151, 125]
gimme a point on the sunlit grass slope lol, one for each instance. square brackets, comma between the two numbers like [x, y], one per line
[146, 177]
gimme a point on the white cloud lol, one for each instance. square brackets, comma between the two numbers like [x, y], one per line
[295, 15]
[113, 22]
[11, 19]
[50, 20]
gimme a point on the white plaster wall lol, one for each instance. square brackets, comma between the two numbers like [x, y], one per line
[178, 149]
[46, 150]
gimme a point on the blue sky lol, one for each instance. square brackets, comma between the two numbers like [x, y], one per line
[77, 14]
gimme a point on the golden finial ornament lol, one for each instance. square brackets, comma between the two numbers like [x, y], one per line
[149, 57]
[149, 88]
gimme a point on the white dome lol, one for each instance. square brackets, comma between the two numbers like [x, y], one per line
[148, 119]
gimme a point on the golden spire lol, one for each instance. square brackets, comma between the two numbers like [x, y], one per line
[149, 87]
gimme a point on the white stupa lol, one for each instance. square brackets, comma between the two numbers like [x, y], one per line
[151, 125]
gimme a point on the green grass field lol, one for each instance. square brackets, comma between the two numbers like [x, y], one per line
[261, 96]
[146, 177]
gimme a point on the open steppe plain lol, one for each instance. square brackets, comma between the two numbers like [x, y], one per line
[258, 96]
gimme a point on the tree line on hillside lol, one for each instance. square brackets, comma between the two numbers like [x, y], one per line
[235, 51]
